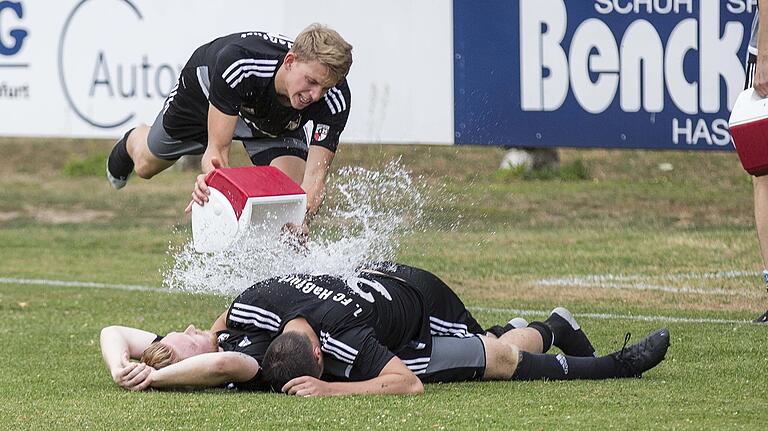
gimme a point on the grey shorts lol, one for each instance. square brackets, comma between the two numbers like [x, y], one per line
[260, 150]
[455, 359]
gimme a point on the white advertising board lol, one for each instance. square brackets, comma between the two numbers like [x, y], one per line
[94, 68]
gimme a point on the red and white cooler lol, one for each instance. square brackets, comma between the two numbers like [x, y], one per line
[257, 198]
[749, 129]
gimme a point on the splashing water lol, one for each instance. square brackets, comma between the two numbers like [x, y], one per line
[368, 214]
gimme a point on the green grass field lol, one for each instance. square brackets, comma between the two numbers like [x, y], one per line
[629, 248]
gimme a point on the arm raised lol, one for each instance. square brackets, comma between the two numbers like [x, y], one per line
[118, 345]
[206, 370]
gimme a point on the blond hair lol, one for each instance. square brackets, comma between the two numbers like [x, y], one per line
[321, 43]
[159, 355]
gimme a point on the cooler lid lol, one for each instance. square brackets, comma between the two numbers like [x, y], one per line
[749, 107]
[239, 184]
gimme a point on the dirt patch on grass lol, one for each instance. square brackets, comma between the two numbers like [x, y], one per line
[8, 216]
[56, 216]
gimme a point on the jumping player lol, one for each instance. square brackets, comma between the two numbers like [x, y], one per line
[287, 101]
[384, 331]
[757, 77]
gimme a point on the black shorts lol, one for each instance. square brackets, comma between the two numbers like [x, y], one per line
[261, 151]
[448, 316]
[455, 359]
[749, 67]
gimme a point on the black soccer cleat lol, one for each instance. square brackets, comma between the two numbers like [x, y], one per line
[571, 340]
[646, 354]
[763, 318]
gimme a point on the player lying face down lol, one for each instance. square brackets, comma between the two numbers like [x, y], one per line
[383, 332]
[384, 352]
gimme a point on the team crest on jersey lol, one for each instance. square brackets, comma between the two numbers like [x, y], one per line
[321, 131]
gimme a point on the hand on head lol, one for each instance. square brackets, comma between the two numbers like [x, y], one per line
[134, 376]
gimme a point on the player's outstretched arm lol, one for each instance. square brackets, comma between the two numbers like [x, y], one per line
[221, 128]
[118, 345]
[206, 370]
[395, 379]
[319, 161]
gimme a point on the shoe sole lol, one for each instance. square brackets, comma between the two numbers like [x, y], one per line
[518, 322]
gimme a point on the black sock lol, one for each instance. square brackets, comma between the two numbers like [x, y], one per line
[560, 327]
[533, 366]
[547, 336]
[573, 342]
[120, 164]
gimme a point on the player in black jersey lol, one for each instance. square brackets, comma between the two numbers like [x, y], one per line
[383, 331]
[287, 101]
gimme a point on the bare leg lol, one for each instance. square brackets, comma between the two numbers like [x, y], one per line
[526, 339]
[501, 359]
[146, 165]
[502, 354]
[292, 166]
[761, 222]
[761, 215]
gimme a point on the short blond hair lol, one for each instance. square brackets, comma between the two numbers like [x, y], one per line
[159, 355]
[322, 43]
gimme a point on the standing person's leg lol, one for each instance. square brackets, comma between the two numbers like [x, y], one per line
[760, 185]
[760, 189]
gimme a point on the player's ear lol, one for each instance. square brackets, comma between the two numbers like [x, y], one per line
[289, 59]
[317, 353]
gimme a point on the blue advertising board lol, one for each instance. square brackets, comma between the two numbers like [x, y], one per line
[659, 74]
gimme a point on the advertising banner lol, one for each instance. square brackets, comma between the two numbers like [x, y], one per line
[94, 68]
[659, 74]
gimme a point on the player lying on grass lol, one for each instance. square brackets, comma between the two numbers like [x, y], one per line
[257, 87]
[383, 332]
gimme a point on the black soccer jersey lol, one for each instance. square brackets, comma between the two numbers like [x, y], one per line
[362, 322]
[236, 74]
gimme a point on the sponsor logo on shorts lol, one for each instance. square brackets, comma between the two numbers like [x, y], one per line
[321, 131]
